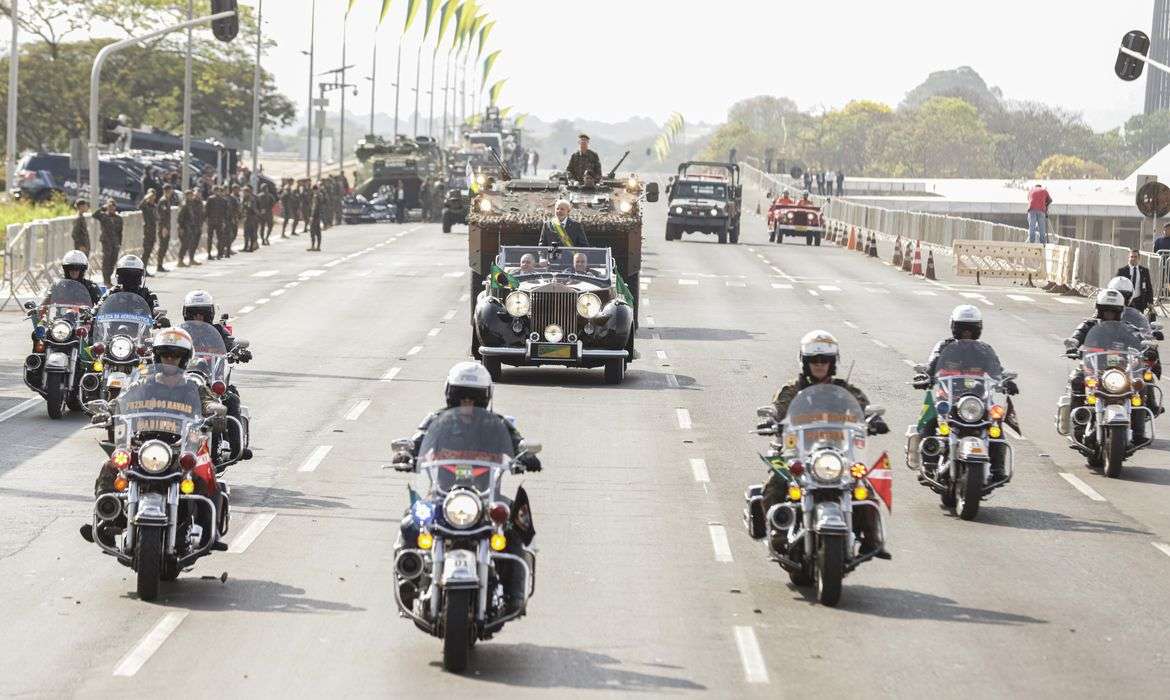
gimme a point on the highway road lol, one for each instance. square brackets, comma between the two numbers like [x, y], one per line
[647, 582]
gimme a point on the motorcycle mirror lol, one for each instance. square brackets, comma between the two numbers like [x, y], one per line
[874, 410]
[531, 448]
[97, 406]
[1071, 343]
[920, 368]
[243, 344]
[402, 445]
[223, 318]
[768, 411]
[1008, 376]
[29, 306]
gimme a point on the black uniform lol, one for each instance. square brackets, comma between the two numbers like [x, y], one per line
[580, 163]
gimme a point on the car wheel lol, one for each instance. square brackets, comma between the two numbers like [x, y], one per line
[615, 370]
[723, 235]
[494, 367]
[735, 233]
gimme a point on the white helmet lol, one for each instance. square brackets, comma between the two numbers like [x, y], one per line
[171, 341]
[130, 262]
[74, 259]
[1123, 285]
[468, 380]
[199, 301]
[130, 271]
[816, 343]
[966, 317]
[1110, 299]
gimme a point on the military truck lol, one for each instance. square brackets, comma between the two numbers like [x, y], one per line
[512, 213]
[474, 162]
[705, 197]
[418, 164]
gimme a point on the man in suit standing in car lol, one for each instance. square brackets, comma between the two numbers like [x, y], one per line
[1143, 287]
[561, 230]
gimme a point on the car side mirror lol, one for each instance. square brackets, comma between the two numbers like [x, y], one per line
[532, 448]
[651, 192]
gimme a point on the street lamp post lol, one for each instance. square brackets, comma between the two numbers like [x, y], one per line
[417, 74]
[13, 90]
[255, 101]
[373, 80]
[397, 81]
[309, 113]
[431, 95]
[184, 178]
[341, 125]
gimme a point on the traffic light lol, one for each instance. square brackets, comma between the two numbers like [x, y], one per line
[227, 28]
[1127, 67]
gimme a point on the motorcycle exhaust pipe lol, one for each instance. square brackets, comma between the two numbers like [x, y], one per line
[409, 565]
[33, 362]
[108, 506]
[91, 382]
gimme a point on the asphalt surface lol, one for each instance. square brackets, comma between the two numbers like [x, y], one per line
[646, 580]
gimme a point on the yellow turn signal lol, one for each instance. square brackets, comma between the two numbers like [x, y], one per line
[794, 493]
[499, 542]
[1090, 382]
[860, 493]
[1148, 376]
[1135, 400]
[97, 365]
[1091, 400]
[995, 431]
[425, 540]
[187, 486]
[120, 483]
[857, 470]
[944, 429]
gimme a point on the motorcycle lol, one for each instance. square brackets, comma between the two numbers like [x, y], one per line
[462, 539]
[161, 506]
[122, 325]
[210, 366]
[812, 534]
[1109, 421]
[970, 454]
[1151, 359]
[53, 369]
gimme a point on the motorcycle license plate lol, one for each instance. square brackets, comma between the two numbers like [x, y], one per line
[554, 351]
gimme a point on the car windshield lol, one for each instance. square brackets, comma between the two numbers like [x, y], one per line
[465, 447]
[210, 356]
[825, 416]
[525, 261]
[699, 190]
[158, 402]
[67, 298]
[965, 367]
[122, 313]
[1111, 344]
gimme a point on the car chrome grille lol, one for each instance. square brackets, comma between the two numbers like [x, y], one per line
[558, 307]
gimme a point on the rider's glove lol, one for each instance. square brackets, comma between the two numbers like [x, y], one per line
[403, 462]
[531, 463]
[1010, 387]
[877, 426]
[245, 356]
[1159, 335]
[921, 381]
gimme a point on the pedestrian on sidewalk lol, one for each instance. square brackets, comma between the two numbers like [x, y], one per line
[1162, 243]
[1139, 275]
[111, 238]
[81, 227]
[840, 182]
[1038, 202]
[830, 180]
[163, 210]
[315, 221]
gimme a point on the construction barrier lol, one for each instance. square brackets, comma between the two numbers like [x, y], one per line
[1004, 260]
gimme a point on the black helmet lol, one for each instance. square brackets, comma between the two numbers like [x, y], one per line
[199, 302]
[129, 271]
[966, 319]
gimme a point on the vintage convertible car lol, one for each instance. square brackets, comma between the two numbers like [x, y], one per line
[554, 306]
[796, 220]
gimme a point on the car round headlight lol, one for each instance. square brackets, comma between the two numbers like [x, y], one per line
[678, 210]
[970, 409]
[154, 457]
[1114, 381]
[485, 205]
[828, 466]
[588, 305]
[626, 206]
[121, 348]
[791, 216]
[461, 509]
[60, 331]
[553, 333]
[714, 211]
[518, 304]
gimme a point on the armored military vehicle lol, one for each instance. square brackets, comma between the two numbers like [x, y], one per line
[417, 164]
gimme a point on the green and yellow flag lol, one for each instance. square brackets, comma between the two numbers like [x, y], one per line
[502, 280]
[929, 415]
[624, 289]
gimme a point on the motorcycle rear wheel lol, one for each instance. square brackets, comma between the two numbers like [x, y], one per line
[148, 561]
[1115, 439]
[457, 630]
[830, 569]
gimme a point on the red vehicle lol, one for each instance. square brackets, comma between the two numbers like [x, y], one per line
[802, 218]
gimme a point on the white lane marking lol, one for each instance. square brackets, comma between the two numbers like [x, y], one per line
[1082, 486]
[415, 350]
[699, 469]
[684, 418]
[19, 408]
[851, 324]
[466, 296]
[265, 273]
[292, 284]
[754, 670]
[1021, 297]
[1162, 547]
[391, 374]
[315, 458]
[334, 263]
[248, 535]
[277, 292]
[655, 337]
[1066, 300]
[661, 354]
[876, 290]
[925, 293]
[456, 273]
[829, 287]
[358, 409]
[246, 310]
[776, 285]
[736, 284]
[150, 643]
[261, 302]
[878, 343]
[1019, 318]
[672, 381]
[686, 281]
[908, 363]
[312, 273]
[433, 332]
[814, 292]
[720, 544]
[449, 315]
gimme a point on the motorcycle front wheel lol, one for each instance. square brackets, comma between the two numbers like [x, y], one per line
[1115, 439]
[148, 561]
[55, 396]
[968, 490]
[457, 630]
[830, 569]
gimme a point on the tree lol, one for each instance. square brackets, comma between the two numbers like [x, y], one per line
[850, 136]
[1066, 167]
[962, 82]
[943, 138]
[1146, 134]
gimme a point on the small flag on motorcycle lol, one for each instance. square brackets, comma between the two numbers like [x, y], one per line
[881, 480]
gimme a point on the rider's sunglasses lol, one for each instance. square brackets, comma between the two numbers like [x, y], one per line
[820, 359]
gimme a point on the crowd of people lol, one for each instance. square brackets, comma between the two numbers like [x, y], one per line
[216, 213]
[828, 183]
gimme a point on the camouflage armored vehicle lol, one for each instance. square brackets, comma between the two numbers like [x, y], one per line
[418, 164]
[471, 164]
[563, 319]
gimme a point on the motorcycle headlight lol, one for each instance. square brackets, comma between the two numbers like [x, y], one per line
[1114, 381]
[60, 331]
[970, 409]
[518, 304]
[154, 457]
[828, 466]
[121, 348]
[588, 305]
[461, 509]
[553, 333]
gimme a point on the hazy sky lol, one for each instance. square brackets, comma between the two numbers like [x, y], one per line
[610, 59]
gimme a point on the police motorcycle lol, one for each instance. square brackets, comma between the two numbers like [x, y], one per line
[53, 368]
[122, 324]
[1151, 358]
[453, 555]
[162, 507]
[1108, 420]
[819, 448]
[967, 457]
[211, 366]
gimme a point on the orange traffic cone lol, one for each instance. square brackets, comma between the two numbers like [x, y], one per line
[916, 268]
[930, 266]
[852, 239]
[897, 261]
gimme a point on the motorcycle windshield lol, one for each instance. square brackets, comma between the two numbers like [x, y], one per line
[1137, 319]
[965, 366]
[464, 447]
[825, 416]
[210, 357]
[159, 402]
[1111, 344]
[122, 313]
[69, 294]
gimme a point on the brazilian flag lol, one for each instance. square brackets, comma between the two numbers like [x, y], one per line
[928, 416]
[777, 464]
[501, 279]
[624, 289]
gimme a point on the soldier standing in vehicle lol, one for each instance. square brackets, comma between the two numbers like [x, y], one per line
[583, 161]
[165, 202]
[111, 238]
[81, 227]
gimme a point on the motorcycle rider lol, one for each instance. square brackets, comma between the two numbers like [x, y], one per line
[199, 305]
[172, 349]
[129, 273]
[966, 324]
[470, 385]
[74, 265]
[819, 355]
[1131, 316]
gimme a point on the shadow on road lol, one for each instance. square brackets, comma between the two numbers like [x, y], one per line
[270, 497]
[46, 495]
[248, 595]
[1032, 519]
[1146, 475]
[534, 666]
[902, 604]
[593, 379]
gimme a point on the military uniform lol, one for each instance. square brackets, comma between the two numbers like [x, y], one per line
[111, 240]
[265, 201]
[305, 208]
[251, 214]
[580, 163]
[186, 223]
[149, 211]
[315, 221]
[215, 210]
[289, 204]
[233, 220]
[199, 214]
[165, 202]
[81, 233]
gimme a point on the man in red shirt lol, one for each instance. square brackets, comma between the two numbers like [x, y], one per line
[1038, 202]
